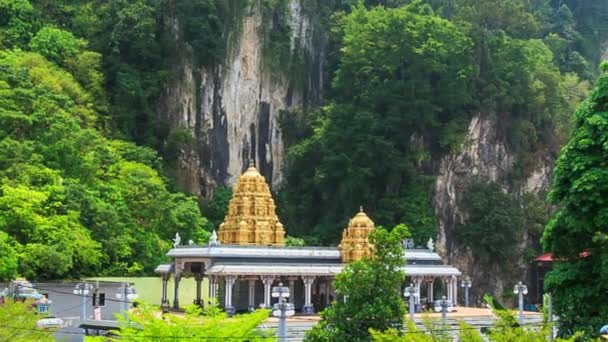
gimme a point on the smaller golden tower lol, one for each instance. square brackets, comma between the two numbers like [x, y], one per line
[355, 239]
[251, 217]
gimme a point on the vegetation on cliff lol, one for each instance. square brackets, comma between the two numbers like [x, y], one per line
[407, 80]
[73, 201]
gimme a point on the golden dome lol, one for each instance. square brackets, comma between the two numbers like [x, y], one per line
[252, 218]
[361, 220]
[251, 172]
[355, 239]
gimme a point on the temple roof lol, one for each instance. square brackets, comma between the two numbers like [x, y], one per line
[293, 261]
[355, 238]
[268, 252]
[256, 252]
[297, 269]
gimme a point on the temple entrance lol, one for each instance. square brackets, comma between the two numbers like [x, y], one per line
[322, 294]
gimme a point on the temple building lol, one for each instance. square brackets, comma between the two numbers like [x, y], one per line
[249, 256]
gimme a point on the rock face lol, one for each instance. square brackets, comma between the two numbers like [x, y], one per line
[232, 110]
[485, 157]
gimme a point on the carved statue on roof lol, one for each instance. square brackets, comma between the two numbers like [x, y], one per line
[213, 241]
[177, 240]
[251, 218]
[355, 239]
[430, 245]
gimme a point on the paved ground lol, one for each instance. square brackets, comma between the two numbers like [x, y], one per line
[477, 318]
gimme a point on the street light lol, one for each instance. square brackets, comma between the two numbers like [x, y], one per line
[466, 283]
[411, 292]
[126, 293]
[282, 309]
[443, 306]
[521, 290]
[82, 290]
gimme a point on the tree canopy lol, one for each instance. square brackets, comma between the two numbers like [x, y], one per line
[369, 291]
[576, 234]
[74, 201]
[146, 323]
[408, 78]
[18, 321]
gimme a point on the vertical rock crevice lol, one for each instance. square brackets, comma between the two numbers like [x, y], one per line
[485, 156]
[232, 109]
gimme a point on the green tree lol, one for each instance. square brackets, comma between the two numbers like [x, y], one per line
[9, 257]
[371, 289]
[215, 210]
[56, 45]
[493, 225]
[76, 201]
[294, 241]
[15, 23]
[576, 234]
[146, 323]
[18, 321]
[402, 71]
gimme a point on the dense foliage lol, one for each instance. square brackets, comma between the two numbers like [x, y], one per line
[576, 234]
[18, 323]
[146, 323]
[72, 201]
[400, 72]
[370, 291]
[493, 226]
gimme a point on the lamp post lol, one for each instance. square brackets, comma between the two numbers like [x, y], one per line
[282, 309]
[521, 290]
[126, 293]
[82, 290]
[411, 293]
[442, 306]
[466, 284]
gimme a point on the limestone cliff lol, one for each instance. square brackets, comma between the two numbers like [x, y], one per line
[231, 110]
[485, 156]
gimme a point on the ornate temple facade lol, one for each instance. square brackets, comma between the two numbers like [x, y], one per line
[249, 256]
[252, 218]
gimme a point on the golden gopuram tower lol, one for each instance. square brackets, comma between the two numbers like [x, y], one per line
[252, 218]
[355, 239]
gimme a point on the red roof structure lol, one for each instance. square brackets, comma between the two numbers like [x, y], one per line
[548, 257]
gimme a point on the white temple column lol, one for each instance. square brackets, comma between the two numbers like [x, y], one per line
[328, 291]
[455, 294]
[431, 290]
[292, 287]
[449, 287]
[213, 282]
[177, 276]
[267, 281]
[229, 281]
[417, 282]
[251, 294]
[308, 281]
